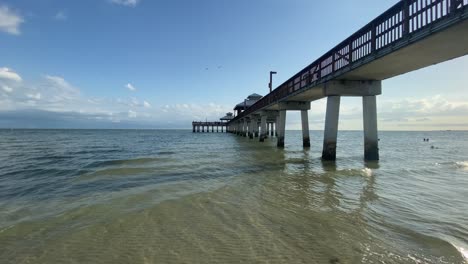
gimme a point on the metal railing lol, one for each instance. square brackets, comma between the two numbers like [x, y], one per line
[201, 123]
[402, 20]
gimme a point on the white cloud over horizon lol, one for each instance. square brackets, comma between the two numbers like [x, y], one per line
[130, 3]
[10, 21]
[54, 96]
[9, 74]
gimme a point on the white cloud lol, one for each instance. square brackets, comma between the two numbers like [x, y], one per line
[8, 74]
[130, 87]
[35, 96]
[146, 104]
[10, 21]
[61, 15]
[131, 3]
[132, 114]
[7, 89]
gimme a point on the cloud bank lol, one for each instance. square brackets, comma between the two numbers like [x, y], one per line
[53, 102]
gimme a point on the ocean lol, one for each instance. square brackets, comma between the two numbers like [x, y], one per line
[173, 196]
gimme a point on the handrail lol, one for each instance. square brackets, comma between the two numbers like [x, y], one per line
[400, 21]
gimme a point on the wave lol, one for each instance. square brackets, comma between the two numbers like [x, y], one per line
[366, 172]
[119, 162]
[463, 251]
[462, 165]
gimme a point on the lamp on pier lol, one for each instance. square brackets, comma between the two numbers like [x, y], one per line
[270, 85]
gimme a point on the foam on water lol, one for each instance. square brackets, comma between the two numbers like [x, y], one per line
[462, 164]
[463, 251]
[367, 172]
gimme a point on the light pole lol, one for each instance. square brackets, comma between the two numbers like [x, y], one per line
[271, 80]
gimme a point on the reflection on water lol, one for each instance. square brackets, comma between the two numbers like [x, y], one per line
[178, 197]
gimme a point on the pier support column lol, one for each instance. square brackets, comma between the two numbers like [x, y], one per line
[255, 126]
[272, 129]
[371, 145]
[257, 132]
[281, 127]
[277, 126]
[251, 128]
[193, 128]
[305, 129]
[245, 128]
[267, 130]
[331, 128]
[263, 128]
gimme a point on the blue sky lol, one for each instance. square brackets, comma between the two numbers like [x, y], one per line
[162, 64]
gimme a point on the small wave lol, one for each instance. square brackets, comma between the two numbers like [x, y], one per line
[463, 251]
[366, 172]
[119, 162]
[462, 165]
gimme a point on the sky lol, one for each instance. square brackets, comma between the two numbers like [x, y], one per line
[163, 64]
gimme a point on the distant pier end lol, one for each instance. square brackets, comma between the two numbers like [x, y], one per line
[199, 126]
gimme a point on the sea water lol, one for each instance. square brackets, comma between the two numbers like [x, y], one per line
[173, 196]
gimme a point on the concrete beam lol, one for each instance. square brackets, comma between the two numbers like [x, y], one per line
[352, 88]
[270, 114]
[293, 105]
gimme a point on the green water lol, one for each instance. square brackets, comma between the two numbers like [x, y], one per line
[154, 196]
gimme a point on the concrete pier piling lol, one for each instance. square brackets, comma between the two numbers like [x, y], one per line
[245, 128]
[277, 125]
[251, 129]
[267, 130]
[331, 128]
[255, 125]
[305, 129]
[281, 128]
[371, 145]
[263, 128]
[199, 126]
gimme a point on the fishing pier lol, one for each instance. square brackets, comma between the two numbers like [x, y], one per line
[411, 35]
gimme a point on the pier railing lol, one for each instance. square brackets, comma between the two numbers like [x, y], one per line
[401, 21]
[201, 123]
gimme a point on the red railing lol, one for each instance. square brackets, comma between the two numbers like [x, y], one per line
[402, 20]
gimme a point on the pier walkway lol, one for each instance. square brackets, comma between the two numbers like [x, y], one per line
[411, 35]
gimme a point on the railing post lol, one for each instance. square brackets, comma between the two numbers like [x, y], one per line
[454, 4]
[406, 18]
[373, 38]
[350, 52]
[333, 61]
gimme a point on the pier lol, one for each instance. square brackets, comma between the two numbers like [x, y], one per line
[199, 126]
[411, 35]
